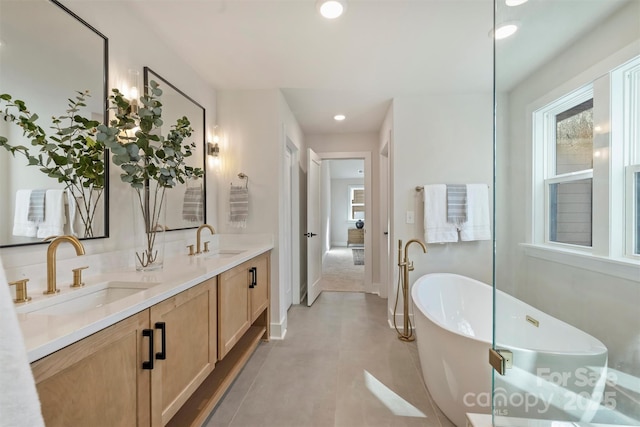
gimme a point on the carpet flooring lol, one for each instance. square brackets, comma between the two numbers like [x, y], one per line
[340, 274]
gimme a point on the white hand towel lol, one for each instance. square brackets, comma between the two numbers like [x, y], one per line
[54, 219]
[478, 225]
[238, 206]
[436, 227]
[19, 403]
[21, 225]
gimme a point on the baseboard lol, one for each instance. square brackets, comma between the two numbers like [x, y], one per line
[399, 320]
[278, 330]
[340, 244]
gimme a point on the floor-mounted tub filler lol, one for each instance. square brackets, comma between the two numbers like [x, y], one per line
[559, 372]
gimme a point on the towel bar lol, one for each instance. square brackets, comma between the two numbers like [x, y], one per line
[420, 187]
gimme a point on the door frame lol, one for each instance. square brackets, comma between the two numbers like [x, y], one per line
[292, 264]
[369, 286]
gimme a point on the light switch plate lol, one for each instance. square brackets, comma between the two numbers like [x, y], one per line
[410, 217]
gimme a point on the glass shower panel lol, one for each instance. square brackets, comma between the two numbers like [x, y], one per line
[566, 294]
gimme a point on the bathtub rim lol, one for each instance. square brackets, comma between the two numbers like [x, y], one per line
[598, 348]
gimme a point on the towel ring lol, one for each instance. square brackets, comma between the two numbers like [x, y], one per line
[242, 175]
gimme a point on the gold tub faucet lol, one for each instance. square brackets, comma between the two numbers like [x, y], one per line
[51, 259]
[406, 252]
[198, 250]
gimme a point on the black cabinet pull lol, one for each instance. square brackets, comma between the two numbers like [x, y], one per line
[149, 363]
[254, 277]
[162, 355]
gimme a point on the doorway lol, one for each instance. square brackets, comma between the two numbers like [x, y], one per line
[339, 250]
[344, 219]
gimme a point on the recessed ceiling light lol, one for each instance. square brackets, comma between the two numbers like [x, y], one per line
[504, 31]
[339, 117]
[515, 2]
[331, 9]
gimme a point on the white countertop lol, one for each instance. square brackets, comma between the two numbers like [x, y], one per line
[45, 334]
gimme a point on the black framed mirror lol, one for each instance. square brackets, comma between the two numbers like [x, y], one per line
[47, 55]
[180, 213]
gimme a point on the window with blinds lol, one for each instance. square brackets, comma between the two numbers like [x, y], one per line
[356, 203]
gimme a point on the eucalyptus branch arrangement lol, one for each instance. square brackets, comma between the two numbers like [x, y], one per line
[73, 155]
[146, 157]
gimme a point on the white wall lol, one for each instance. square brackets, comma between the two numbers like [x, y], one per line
[326, 206]
[602, 305]
[131, 49]
[439, 140]
[340, 209]
[257, 124]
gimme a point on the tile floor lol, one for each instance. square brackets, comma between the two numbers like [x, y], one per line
[335, 356]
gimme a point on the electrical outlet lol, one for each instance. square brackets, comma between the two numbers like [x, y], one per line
[410, 217]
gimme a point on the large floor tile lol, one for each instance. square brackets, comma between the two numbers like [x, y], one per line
[340, 364]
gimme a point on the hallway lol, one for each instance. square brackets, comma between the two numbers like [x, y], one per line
[339, 365]
[339, 272]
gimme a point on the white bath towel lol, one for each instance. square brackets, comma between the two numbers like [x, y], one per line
[73, 212]
[478, 225]
[436, 227]
[21, 225]
[19, 403]
[54, 220]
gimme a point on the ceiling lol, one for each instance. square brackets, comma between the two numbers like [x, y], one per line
[355, 65]
[346, 168]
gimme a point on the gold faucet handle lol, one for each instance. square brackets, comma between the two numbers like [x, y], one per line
[191, 250]
[411, 267]
[21, 290]
[206, 247]
[77, 277]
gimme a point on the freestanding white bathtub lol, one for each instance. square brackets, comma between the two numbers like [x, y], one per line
[558, 373]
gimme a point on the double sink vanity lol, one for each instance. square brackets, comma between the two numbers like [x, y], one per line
[148, 348]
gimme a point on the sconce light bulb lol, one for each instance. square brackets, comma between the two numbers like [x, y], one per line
[133, 93]
[216, 139]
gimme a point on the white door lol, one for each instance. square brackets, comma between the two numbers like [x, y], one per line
[314, 243]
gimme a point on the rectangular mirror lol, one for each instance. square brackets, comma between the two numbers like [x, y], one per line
[48, 55]
[186, 207]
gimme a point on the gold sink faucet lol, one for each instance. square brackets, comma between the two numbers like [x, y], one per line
[51, 259]
[198, 250]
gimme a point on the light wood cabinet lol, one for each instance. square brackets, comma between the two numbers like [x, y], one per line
[156, 368]
[98, 381]
[233, 307]
[185, 336]
[355, 236]
[259, 291]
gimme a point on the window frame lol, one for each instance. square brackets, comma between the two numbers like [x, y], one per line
[352, 188]
[616, 158]
[547, 139]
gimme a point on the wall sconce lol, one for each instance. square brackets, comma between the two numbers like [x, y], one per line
[132, 91]
[213, 149]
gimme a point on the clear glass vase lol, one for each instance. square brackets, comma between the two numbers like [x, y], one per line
[149, 215]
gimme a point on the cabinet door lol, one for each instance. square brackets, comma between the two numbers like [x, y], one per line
[233, 307]
[189, 352]
[98, 381]
[259, 294]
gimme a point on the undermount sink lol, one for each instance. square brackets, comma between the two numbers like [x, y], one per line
[85, 299]
[221, 253]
